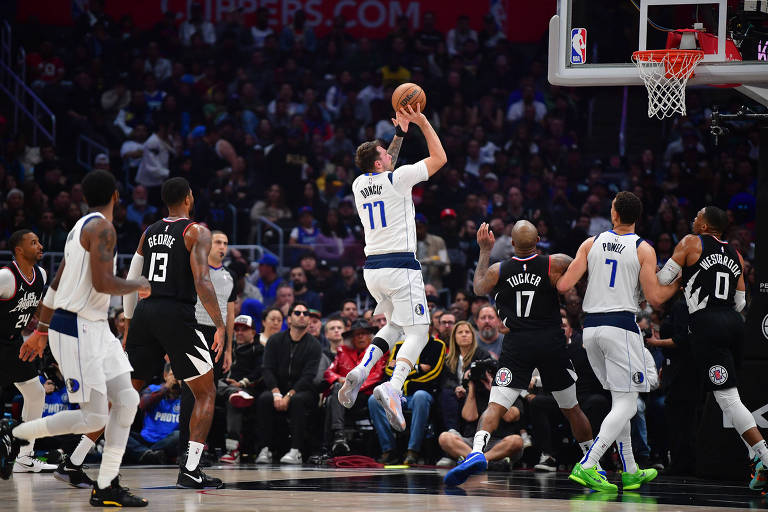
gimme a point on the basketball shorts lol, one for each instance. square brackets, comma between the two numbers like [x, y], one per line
[717, 337]
[522, 351]
[13, 369]
[616, 352]
[399, 293]
[163, 326]
[89, 355]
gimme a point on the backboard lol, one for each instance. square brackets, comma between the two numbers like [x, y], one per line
[591, 41]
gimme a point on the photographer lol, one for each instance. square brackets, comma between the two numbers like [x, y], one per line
[159, 436]
[503, 443]
[462, 351]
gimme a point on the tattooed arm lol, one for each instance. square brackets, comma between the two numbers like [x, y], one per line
[198, 240]
[397, 142]
[99, 239]
[558, 264]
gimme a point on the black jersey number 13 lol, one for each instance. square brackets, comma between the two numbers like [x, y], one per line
[157, 273]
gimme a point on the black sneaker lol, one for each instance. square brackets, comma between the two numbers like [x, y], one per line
[340, 446]
[197, 480]
[115, 496]
[73, 475]
[9, 448]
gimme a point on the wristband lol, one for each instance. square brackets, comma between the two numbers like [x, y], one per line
[277, 395]
[41, 333]
[40, 322]
[399, 132]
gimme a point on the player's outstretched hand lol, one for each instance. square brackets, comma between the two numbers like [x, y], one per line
[145, 290]
[33, 347]
[401, 121]
[412, 116]
[485, 238]
[218, 342]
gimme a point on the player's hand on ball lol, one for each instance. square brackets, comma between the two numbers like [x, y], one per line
[485, 238]
[412, 116]
[401, 121]
[145, 290]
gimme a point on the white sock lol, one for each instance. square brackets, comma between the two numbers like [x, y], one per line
[194, 452]
[623, 407]
[481, 441]
[624, 443]
[399, 374]
[586, 445]
[371, 357]
[761, 449]
[110, 466]
[81, 450]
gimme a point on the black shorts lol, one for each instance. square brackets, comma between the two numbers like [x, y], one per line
[208, 333]
[717, 338]
[13, 369]
[166, 326]
[544, 349]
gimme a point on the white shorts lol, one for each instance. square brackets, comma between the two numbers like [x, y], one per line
[399, 293]
[617, 357]
[88, 354]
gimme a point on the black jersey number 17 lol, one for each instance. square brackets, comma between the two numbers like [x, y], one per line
[157, 273]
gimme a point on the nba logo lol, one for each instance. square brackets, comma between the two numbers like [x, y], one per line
[578, 46]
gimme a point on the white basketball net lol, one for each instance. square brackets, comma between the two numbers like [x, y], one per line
[665, 74]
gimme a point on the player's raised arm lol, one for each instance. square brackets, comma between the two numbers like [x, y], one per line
[558, 264]
[675, 264]
[655, 293]
[198, 239]
[99, 239]
[485, 277]
[577, 267]
[436, 159]
[401, 128]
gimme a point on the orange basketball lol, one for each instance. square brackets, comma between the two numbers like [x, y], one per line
[408, 94]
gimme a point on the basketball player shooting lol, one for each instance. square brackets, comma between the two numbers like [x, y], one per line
[713, 285]
[524, 288]
[621, 265]
[173, 255]
[91, 359]
[391, 272]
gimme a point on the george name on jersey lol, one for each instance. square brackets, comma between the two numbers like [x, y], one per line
[370, 190]
[161, 239]
[613, 247]
[721, 259]
[524, 278]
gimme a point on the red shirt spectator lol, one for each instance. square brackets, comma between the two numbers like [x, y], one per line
[349, 355]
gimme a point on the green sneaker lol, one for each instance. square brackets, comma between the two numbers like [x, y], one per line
[591, 478]
[631, 481]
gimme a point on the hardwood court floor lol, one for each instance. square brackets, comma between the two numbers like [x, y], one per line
[282, 489]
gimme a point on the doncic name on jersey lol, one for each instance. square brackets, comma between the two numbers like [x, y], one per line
[370, 190]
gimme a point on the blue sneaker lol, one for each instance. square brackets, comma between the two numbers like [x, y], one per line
[759, 475]
[474, 463]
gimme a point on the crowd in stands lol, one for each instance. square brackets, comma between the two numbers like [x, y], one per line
[264, 122]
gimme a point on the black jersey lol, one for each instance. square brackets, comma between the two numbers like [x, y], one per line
[524, 295]
[16, 311]
[166, 261]
[711, 282]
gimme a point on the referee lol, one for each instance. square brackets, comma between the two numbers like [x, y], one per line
[224, 284]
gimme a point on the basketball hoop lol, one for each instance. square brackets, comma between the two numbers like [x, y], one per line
[665, 74]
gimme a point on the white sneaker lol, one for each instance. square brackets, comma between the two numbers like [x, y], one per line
[351, 387]
[527, 439]
[29, 464]
[292, 457]
[265, 456]
[389, 398]
[445, 462]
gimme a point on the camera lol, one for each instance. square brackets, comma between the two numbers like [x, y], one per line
[478, 369]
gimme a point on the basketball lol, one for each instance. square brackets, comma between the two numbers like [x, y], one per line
[408, 94]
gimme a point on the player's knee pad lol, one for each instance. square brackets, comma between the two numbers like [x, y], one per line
[566, 398]
[92, 421]
[126, 405]
[416, 338]
[504, 396]
[732, 407]
[388, 336]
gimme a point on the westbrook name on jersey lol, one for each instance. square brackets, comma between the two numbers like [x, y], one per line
[711, 282]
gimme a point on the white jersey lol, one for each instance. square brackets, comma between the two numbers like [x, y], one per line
[75, 292]
[614, 274]
[386, 209]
